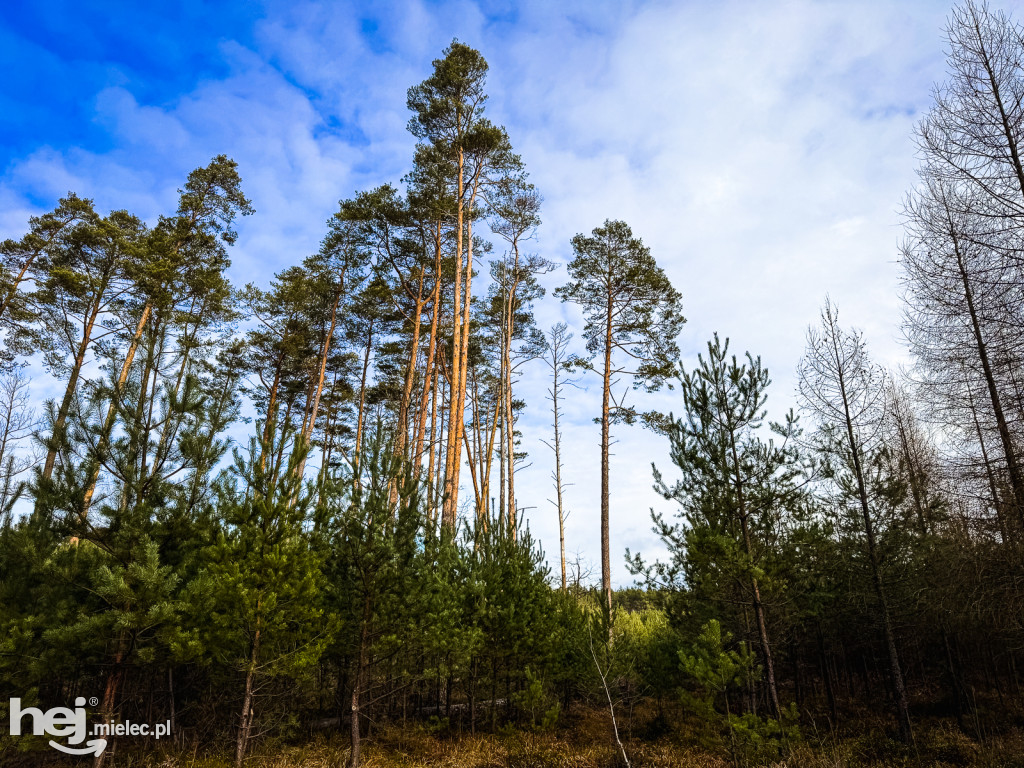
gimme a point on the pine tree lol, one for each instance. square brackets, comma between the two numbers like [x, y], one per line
[86, 280]
[184, 261]
[734, 489]
[633, 316]
[259, 595]
[448, 108]
[26, 261]
[376, 562]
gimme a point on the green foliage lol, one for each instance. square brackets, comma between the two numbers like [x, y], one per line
[717, 675]
[631, 309]
[736, 488]
[646, 651]
[258, 598]
[543, 710]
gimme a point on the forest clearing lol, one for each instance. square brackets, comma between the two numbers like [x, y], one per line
[295, 520]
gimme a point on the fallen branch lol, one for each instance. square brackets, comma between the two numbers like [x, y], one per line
[611, 706]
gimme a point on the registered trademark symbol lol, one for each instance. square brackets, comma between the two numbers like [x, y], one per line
[93, 701]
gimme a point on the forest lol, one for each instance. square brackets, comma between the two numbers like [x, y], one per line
[350, 582]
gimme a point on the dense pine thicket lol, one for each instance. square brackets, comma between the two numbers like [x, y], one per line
[346, 568]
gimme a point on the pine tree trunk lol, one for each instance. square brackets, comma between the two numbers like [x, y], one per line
[459, 398]
[269, 422]
[436, 473]
[1005, 122]
[826, 673]
[507, 398]
[108, 423]
[762, 632]
[310, 424]
[606, 563]
[762, 625]
[432, 447]
[989, 473]
[186, 349]
[170, 696]
[557, 448]
[486, 458]
[402, 436]
[430, 366]
[360, 682]
[917, 492]
[558, 488]
[142, 407]
[111, 690]
[502, 485]
[453, 453]
[72, 386]
[360, 414]
[472, 469]
[245, 717]
[896, 672]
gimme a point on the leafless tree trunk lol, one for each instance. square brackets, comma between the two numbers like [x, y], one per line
[608, 695]
[245, 717]
[839, 384]
[17, 421]
[558, 339]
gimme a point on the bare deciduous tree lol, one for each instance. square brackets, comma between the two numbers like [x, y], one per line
[840, 385]
[17, 421]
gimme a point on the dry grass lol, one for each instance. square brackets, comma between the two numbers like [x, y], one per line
[584, 741]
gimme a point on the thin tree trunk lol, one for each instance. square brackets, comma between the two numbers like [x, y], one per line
[1012, 467]
[402, 437]
[432, 447]
[555, 391]
[269, 422]
[606, 563]
[762, 631]
[502, 485]
[108, 423]
[1005, 121]
[362, 408]
[487, 462]
[170, 695]
[72, 386]
[996, 502]
[558, 490]
[108, 705]
[509, 432]
[917, 492]
[429, 377]
[310, 424]
[245, 718]
[826, 673]
[360, 682]
[186, 348]
[899, 690]
[762, 625]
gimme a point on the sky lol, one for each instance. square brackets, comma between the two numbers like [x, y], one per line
[761, 150]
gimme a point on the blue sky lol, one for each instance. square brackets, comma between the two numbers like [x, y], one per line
[760, 149]
[60, 55]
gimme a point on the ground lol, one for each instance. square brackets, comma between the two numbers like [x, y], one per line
[584, 740]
